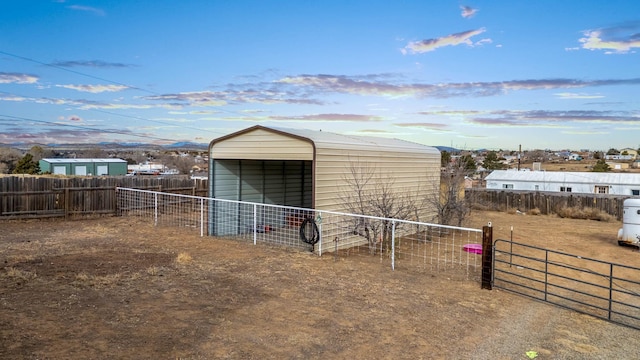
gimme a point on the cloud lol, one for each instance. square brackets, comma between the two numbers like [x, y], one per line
[425, 125]
[74, 118]
[89, 63]
[198, 98]
[468, 11]
[345, 84]
[569, 95]
[423, 46]
[90, 9]
[17, 78]
[95, 88]
[614, 40]
[11, 97]
[545, 118]
[236, 94]
[329, 117]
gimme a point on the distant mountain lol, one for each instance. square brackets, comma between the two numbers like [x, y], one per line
[187, 145]
[447, 149]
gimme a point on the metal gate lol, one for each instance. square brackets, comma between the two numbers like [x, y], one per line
[602, 289]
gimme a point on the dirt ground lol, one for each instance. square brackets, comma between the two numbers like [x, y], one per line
[119, 288]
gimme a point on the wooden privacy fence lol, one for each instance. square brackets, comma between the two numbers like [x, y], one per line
[40, 197]
[546, 202]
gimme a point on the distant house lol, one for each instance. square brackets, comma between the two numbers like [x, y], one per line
[574, 182]
[148, 168]
[631, 152]
[84, 167]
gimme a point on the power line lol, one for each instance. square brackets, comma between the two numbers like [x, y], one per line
[76, 72]
[112, 82]
[87, 128]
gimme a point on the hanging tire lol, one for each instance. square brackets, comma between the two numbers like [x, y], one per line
[309, 232]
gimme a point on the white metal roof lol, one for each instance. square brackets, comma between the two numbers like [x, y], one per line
[62, 160]
[565, 177]
[326, 139]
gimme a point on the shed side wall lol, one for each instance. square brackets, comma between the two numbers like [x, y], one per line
[417, 173]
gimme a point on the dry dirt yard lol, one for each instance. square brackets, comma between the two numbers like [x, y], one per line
[118, 288]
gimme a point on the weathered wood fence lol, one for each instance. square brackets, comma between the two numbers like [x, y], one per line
[546, 202]
[39, 197]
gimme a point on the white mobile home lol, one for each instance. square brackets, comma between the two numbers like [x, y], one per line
[575, 182]
[308, 169]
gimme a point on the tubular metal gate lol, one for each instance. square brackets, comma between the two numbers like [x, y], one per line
[602, 289]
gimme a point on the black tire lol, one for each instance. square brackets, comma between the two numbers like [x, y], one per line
[309, 232]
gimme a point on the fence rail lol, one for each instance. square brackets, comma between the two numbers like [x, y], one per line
[399, 243]
[602, 289]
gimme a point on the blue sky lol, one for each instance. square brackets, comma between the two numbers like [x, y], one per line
[468, 74]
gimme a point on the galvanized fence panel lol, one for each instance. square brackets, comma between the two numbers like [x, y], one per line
[398, 243]
[603, 289]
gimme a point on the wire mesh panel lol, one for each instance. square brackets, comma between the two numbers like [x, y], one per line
[438, 248]
[406, 244]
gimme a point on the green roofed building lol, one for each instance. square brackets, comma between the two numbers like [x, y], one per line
[84, 167]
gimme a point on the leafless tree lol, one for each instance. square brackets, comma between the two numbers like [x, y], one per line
[370, 192]
[8, 159]
[450, 203]
[536, 155]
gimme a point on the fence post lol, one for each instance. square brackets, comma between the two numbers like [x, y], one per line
[255, 224]
[201, 217]
[487, 256]
[67, 202]
[393, 245]
[155, 209]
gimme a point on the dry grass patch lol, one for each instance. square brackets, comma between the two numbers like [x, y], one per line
[84, 279]
[18, 274]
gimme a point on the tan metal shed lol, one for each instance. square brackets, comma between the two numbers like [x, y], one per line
[306, 168]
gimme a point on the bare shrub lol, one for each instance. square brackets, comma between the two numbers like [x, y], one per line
[534, 211]
[183, 258]
[153, 271]
[512, 211]
[584, 213]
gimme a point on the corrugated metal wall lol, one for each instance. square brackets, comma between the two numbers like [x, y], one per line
[413, 168]
[410, 173]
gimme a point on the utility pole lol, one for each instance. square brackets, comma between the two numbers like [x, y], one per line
[519, 152]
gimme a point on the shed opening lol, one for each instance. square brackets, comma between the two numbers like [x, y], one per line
[278, 182]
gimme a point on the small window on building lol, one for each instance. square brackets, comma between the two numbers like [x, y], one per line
[537, 187]
[507, 186]
[635, 192]
[565, 188]
[602, 190]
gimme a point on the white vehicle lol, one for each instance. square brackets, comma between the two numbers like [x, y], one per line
[630, 232]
